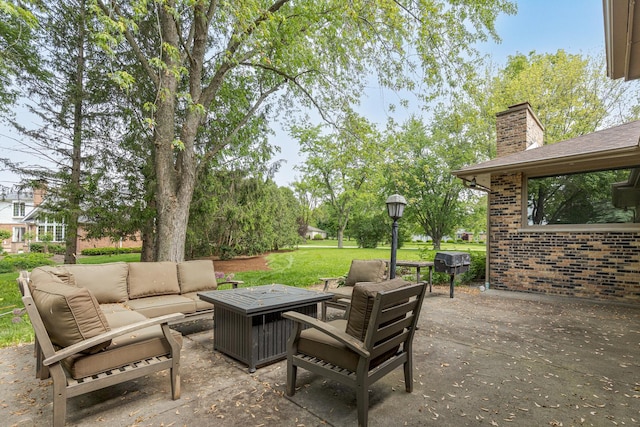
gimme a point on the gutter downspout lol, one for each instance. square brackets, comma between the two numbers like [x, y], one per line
[473, 186]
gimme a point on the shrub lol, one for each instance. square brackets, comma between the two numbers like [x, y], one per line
[24, 262]
[111, 251]
[318, 237]
[477, 269]
[227, 252]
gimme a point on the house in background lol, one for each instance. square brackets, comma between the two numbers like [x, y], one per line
[15, 203]
[556, 246]
[313, 232]
[21, 213]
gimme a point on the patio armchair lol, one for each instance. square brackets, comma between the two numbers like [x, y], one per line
[81, 353]
[374, 270]
[374, 339]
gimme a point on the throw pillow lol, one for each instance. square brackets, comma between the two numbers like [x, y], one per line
[197, 275]
[374, 270]
[70, 314]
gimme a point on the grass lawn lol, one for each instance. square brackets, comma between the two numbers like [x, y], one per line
[301, 267]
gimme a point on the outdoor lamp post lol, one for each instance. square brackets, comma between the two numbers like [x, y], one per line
[395, 208]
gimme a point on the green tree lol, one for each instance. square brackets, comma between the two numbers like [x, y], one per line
[18, 54]
[421, 171]
[319, 52]
[72, 107]
[235, 213]
[341, 166]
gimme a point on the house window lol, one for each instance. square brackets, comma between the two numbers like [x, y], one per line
[18, 234]
[55, 231]
[600, 197]
[18, 209]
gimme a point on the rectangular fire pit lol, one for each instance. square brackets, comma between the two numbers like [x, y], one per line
[248, 322]
[452, 263]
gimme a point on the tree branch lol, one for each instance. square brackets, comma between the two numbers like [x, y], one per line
[151, 72]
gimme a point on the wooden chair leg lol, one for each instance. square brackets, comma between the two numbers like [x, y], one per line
[324, 312]
[292, 371]
[362, 399]
[59, 396]
[408, 376]
[175, 383]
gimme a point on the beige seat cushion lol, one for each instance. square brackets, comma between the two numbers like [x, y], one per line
[160, 305]
[153, 278]
[139, 345]
[362, 301]
[107, 282]
[318, 344]
[374, 270]
[197, 275]
[69, 314]
[200, 304]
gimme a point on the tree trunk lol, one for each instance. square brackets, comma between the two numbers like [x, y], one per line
[340, 237]
[148, 235]
[175, 167]
[71, 236]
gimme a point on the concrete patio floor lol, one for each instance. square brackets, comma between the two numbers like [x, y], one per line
[490, 358]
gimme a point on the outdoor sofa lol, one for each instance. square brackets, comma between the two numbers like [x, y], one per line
[97, 325]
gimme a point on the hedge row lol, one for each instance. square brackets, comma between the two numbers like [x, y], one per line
[111, 251]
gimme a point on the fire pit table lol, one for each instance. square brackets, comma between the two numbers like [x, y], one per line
[452, 263]
[248, 323]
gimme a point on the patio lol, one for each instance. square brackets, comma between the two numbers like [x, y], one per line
[491, 358]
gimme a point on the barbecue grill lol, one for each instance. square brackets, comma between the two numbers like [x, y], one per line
[452, 263]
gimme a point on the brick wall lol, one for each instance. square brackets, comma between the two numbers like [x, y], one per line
[601, 265]
[589, 264]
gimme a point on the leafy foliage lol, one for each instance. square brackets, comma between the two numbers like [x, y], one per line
[235, 214]
[110, 251]
[421, 171]
[24, 262]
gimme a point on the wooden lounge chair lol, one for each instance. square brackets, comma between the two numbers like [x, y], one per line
[375, 339]
[82, 354]
[370, 270]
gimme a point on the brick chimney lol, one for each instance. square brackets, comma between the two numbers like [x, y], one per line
[39, 192]
[517, 129]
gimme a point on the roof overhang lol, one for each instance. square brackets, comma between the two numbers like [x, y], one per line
[613, 148]
[622, 38]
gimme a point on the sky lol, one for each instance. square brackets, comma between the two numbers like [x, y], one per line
[541, 25]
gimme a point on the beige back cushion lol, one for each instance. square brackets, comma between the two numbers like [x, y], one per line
[374, 270]
[197, 275]
[153, 278]
[107, 282]
[69, 314]
[51, 273]
[362, 301]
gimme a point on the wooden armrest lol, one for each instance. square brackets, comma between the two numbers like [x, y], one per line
[330, 330]
[234, 283]
[326, 281]
[88, 343]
